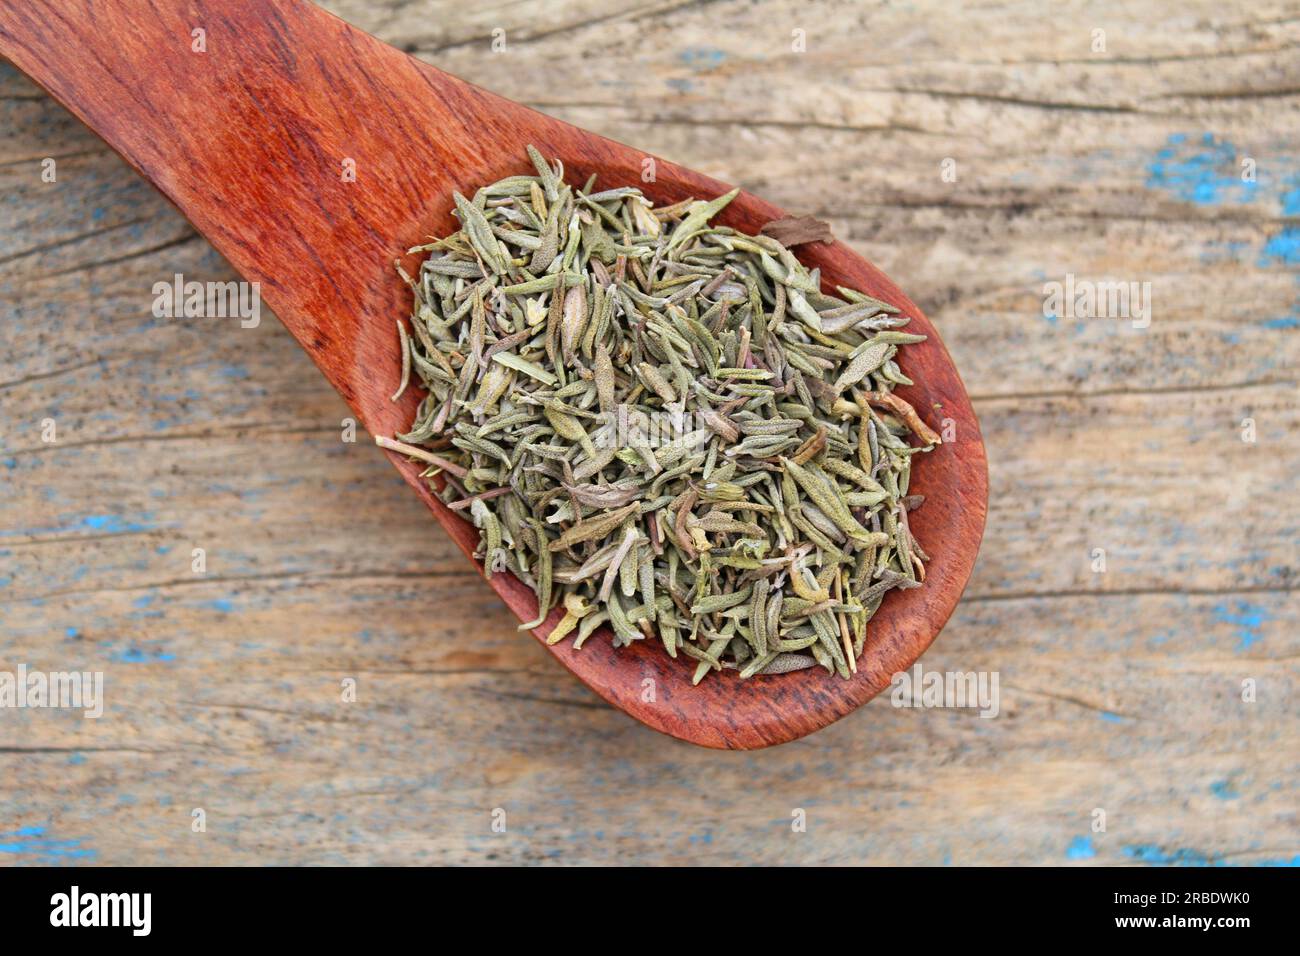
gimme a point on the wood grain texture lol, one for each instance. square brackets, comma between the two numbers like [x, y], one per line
[1120, 691]
[303, 96]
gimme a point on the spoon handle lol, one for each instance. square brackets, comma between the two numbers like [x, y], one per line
[284, 134]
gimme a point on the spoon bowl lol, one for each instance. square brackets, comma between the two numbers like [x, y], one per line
[311, 155]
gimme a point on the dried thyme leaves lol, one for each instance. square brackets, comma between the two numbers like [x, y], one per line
[664, 426]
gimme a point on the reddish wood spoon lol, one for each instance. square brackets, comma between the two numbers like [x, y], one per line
[249, 139]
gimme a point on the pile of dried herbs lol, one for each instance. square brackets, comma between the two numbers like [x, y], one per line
[664, 425]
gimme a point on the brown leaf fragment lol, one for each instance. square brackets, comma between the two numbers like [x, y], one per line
[907, 413]
[797, 230]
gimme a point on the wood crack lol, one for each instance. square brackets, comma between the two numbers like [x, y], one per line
[1128, 592]
[77, 750]
[1118, 391]
[55, 156]
[189, 236]
[652, 10]
[537, 699]
[1231, 94]
[302, 576]
[53, 373]
[60, 243]
[257, 428]
[1006, 100]
[1069, 699]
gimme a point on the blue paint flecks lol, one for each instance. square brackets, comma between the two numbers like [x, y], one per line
[107, 524]
[102, 522]
[1283, 248]
[1182, 856]
[32, 842]
[136, 654]
[1208, 175]
[1230, 251]
[1111, 717]
[1208, 172]
[702, 57]
[1247, 617]
[1080, 848]
[1223, 790]
[237, 372]
[1286, 322]
[1150, 853]
[224, 605]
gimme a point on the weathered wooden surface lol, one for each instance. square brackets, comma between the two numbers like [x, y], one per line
[321, 244]
[1120, 691]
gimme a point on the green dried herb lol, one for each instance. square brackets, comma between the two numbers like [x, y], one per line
[665, 425]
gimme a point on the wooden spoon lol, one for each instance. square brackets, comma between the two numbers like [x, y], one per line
[247, 127]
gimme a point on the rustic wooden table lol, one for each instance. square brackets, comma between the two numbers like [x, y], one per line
[976, 155]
